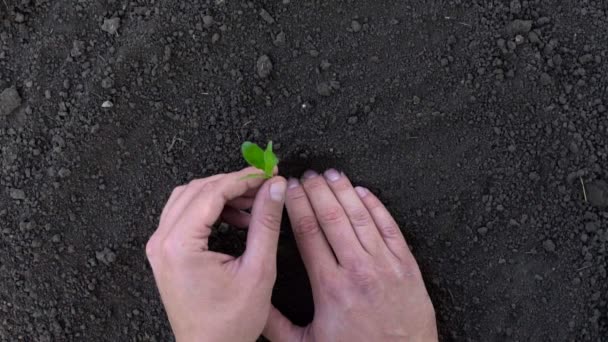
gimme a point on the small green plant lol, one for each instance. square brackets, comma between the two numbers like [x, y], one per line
[264, 160]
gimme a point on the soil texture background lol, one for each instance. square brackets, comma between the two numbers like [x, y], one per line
[482, 124]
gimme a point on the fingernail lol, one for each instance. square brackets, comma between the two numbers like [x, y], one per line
[332, 175]
[277, 191]
[361, 191]
[309, 174]
[292, 183]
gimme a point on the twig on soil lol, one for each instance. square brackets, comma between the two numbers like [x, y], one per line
[460, 22]
[173, 142]
[584, 190]
[451, 296]
[584, 268]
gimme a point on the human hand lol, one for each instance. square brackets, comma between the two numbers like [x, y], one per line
[210, 296]
[365, 282]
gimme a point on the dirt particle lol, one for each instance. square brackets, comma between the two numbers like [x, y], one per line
[324, 89]
[111, 26]
[549, 245]
[353, 120]
[533, 37]
[266, 16]
[519, 27]
[9, 101]
[77, 48]
[545, 79]
[106, 256]
[515, 6]
[19, 18]
[355, 26]
[107, 83]
[208, 21]
[264, 66]
[279, 39]
[17, 194]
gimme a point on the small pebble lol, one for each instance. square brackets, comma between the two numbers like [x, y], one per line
[549, 245]
[264, 66]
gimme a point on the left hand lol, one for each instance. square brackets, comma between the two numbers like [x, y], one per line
[207, 295]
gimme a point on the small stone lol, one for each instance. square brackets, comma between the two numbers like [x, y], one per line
[549, 245]
[519, 27]
[325, 64]
[545, 79]
[597, 193]
[19, 18]
[482, 230]
[324, 89]
[107, 104]
[416, 100]
[215, 38]
[533, 37]
[64, 172]
[106, 256]
[591, 227]
[9, 101]
[279, 39]
[208, 21]
[352, 120]
[111, 26]
[77, 48]
[585, 59]
[56, 238]
[17, 194]
[266, 16]
[355, 26]
[515, 6]
[264, 66]
[107, 83]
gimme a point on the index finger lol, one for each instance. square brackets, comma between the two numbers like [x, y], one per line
[206, 205]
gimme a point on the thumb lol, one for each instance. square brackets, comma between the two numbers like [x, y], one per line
[279, 328]
[265, 225]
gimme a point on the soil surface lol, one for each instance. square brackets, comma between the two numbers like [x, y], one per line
[481, 123]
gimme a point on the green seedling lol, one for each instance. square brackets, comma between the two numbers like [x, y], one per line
[264, 160]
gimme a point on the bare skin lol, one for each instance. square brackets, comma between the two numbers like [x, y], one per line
[366, 283]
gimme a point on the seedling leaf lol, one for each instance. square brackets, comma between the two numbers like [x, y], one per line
[264, 160]
[270, 160]
[253, 154]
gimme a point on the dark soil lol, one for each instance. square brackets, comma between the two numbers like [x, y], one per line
[482, 124]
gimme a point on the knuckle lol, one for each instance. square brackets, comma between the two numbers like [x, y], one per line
[270, 221]
[372, 202]
[390, 231]
[332, 214]
[341, 185]
[177, 190]
[170, 247]
[297, 195]
[331, 283]
[363, 276]
[360, 217]
[306, 225]
[315, 183]
[152, 247]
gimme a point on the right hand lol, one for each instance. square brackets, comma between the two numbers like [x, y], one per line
[366, 284]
